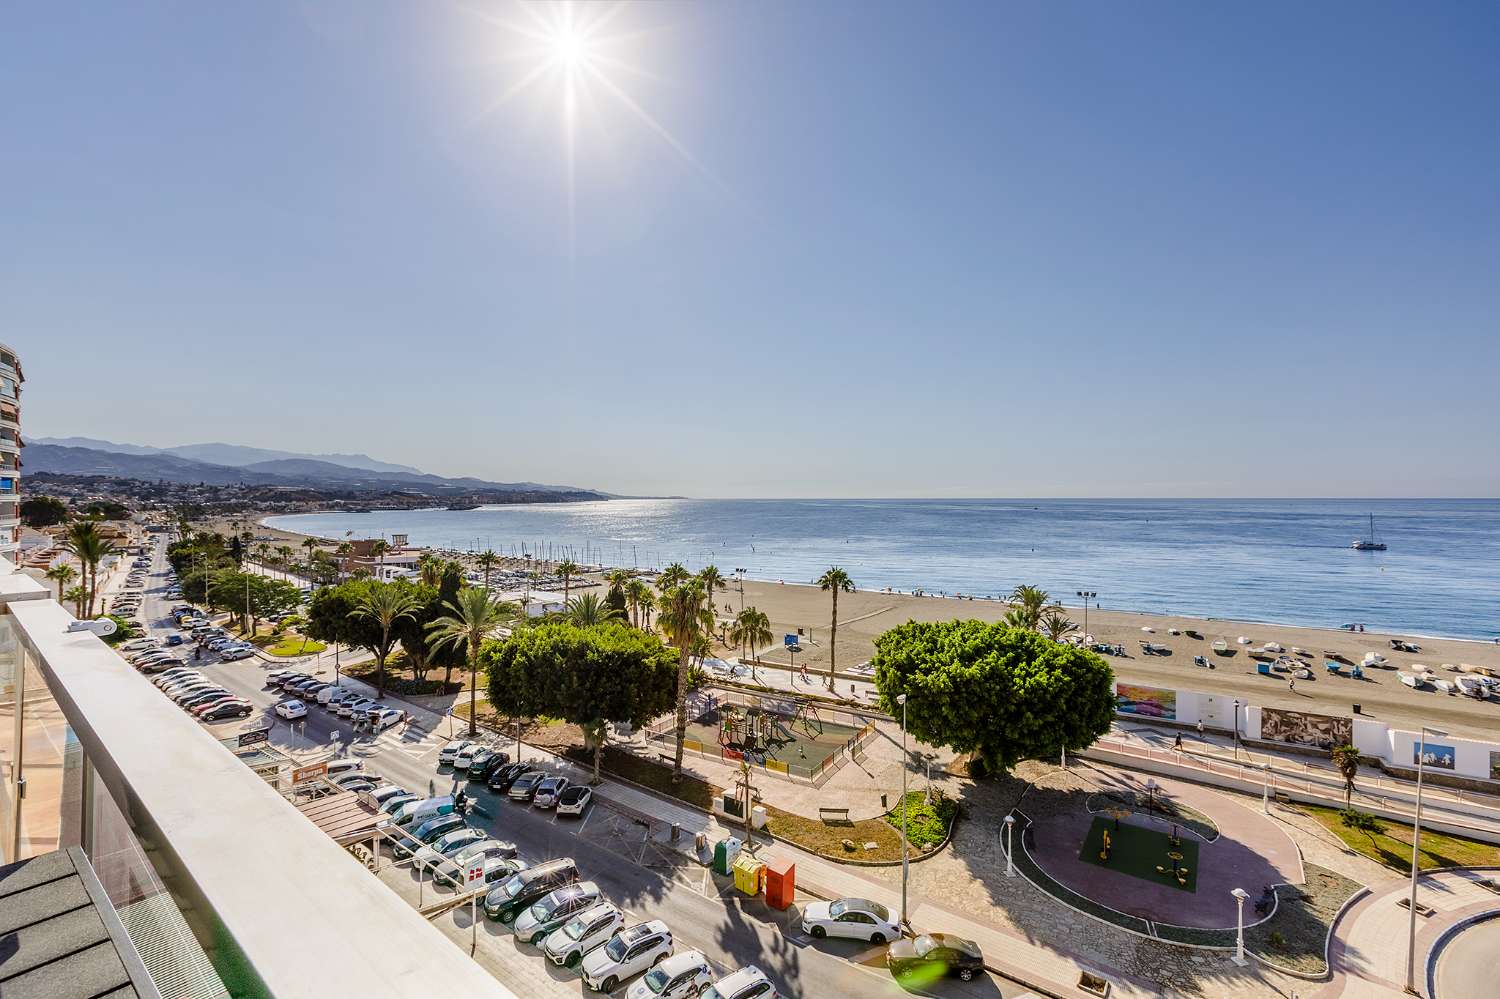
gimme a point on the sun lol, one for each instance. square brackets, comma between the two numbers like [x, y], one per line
[569, 48]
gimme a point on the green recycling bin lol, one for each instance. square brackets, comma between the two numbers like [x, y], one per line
[725, 852]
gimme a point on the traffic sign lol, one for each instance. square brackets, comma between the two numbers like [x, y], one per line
[474, 873]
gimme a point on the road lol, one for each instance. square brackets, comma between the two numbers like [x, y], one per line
[609, 847]
[1466, 965]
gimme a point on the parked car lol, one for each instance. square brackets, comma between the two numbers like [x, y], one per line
[329, 692]
[450, 752]
[547, 791]
[207, 706]
[628, 953]
[935, 955]
[174, 639]
[173, 675]
[479, 761]
[525, 786]
[855, 918]
[348, 764]
[228, 709]
[574, 799]
[417, 812]
[552, 910]
[520, 890]
[348, 708]
[203, 696]
[496, 869]
[291, 710]
[507, 775]
[464, 758]
[237, 653]
[591, 928]
[680, 976]
[447, 845]
[497, 760]
[394, 804]
[429, 832]
[353, 778]
[387, 718]
[139, 645]
[747, 983]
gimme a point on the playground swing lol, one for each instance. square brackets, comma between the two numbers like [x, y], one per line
[807, 716]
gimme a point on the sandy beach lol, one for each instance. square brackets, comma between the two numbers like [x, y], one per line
[865, 614]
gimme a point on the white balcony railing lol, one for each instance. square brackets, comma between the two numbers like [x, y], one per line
[278, 908]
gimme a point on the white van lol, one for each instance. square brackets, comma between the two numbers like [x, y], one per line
[413, 814]
[347, 766]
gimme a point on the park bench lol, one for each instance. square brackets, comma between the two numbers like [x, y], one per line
[826, 814]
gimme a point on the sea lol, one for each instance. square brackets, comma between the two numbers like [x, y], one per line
[1281, 561]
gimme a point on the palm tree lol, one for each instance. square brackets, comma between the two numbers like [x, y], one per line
[85, 543]
[647, 605]
[62, 574]
[378, 548]
[1346, 758]
[751, 628]
[285, 554]
[672, 576]
[263, 552]
[567, 569]
[685, 617]
[636, 592]
[619, 578]
[487, 560]
[1030, 602]
[75, 594]
[385, 605]
[1055, 624]
[712, 580]
[834, 581]
[430, 570]
[475, 617]
[343, 551]
[588, 610]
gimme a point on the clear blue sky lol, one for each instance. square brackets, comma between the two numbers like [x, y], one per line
[930, 249]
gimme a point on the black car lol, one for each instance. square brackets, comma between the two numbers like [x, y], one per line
[507, 775]
[229, 709]
[490, 768]
[523, 788]
[934, 955]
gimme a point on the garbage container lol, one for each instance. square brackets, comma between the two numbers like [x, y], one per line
[747, 872]
[725, 852]
[781, 883]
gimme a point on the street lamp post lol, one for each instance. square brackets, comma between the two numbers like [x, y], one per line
[1416, 842]
[1086, 596]
[1235, 741]
[1150, 797]
[1265, 789]
[905, 864]
[1239, 933]
[1010, 862]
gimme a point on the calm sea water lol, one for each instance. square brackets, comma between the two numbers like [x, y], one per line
[1284, 561]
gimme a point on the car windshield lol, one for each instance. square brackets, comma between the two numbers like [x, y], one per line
[574, 929]
[616, 948]
[656, 980]
[547, 906]
[924, 945]
[513, 887]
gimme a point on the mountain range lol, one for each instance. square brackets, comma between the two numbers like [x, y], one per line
[72, 456]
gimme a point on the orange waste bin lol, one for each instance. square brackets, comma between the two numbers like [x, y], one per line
[781, 883]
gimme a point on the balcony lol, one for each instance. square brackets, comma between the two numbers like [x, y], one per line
[217, 878]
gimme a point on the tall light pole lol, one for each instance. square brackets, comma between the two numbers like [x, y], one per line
[1235, 742]
[1265, 789]
[1086, 595]
[741, 573]
[1239, 933]
[905, 864]
[1010, 863]
[1416, 842]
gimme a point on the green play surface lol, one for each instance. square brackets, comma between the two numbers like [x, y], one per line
[1137, 851]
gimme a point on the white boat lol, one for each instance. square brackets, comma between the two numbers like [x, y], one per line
[1243, 640]
[1374, 659]
[1443, 685]
[1273, 647]
[1149, 631]
[1221, 646]
[1412, 680]
[1470, 686]
[1485, 670]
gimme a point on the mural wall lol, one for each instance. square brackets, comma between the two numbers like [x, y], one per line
[1305, 728]
[1148, 702]
[1437, 757]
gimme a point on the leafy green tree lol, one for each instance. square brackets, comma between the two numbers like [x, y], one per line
[330, 616]
[685, 619]
[672, 577]
[474, 616]
[384, 604]
[107, 510]
[587, 610]
[43, 511]
[834, 581]
[614, 599]
[237, 547]
[1005, 694]
[252, 596]
[125, 630]
[518, 685]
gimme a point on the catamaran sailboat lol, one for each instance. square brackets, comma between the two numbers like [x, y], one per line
[1369, 544]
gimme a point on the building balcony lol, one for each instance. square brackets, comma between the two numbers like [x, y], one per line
[223, 886]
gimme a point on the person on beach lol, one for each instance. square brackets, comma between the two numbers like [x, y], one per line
[1291, 686]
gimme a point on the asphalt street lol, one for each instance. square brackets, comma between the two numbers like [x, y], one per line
[612, 849]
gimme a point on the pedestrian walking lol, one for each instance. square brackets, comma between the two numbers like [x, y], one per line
[1177, 743]
[1291, 685]
[1200, 729]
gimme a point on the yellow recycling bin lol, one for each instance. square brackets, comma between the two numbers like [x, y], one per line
[747, 874]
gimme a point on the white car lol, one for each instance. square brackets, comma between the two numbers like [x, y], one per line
[855, 918]
[449, 753]
[432, 856]
[574, 799]
[628, 953]
[140, 644]
[680, 976]
[237, 653]
[747, 983]
[291, 710]
[387, 718]
[464, 758]
[591, 928]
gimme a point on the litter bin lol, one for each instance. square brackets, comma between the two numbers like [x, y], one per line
[781, 883]
[725, 852]
[747, 872]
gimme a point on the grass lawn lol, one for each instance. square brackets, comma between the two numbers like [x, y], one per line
[1390, 843]
[1137, 851]
[295, 645]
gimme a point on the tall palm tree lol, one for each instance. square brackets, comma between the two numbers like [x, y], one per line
[378, 548]
[751, 628]
[646, 606]
[343, 551]
[430, 570]
[834, 581]
[567, 569]
[636, 592]
[685, 617]
[1055, 624]
[84, 542]
[587, 610]
[487, 561]
[619, 578]
[62, 574]
[75, 594]
[1030, 603]
[284, 553]
[475, 616]
[263, 552]
[385, 605]
[713, 580]
[672, 576]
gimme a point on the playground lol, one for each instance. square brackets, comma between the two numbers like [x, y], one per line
[1149, 854]
[799, 736]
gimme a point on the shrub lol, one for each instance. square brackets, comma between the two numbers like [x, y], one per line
[1355, 819]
